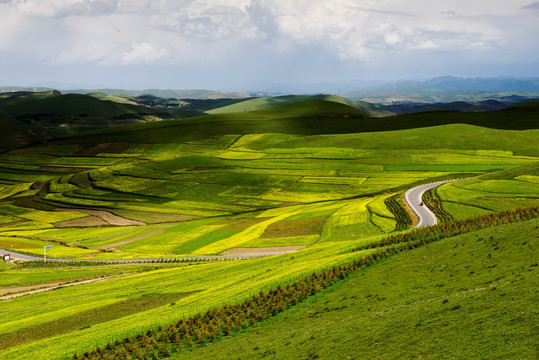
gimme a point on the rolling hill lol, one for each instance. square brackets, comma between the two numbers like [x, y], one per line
[31, 117]
[407, 108]
[318, 117]
[320, 183]
[266, 102]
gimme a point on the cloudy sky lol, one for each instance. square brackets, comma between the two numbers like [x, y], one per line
[232, 44]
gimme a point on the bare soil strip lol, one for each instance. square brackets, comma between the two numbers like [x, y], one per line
[106, 218]
[142, 236]
[413, 215]
[89, 221]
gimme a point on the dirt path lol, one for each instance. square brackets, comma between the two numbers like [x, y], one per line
[48, 287]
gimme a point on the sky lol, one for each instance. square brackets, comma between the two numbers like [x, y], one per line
[245, 44]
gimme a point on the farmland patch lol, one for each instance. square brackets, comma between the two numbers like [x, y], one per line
[298, 227]
[107, 217]
[87, 318]
[262, 251]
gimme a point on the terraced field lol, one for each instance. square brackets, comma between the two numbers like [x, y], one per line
[198, 197]
[258, 182]
[491, 192]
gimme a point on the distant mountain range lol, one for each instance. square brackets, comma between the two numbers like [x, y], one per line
[443, 89]
[176, 94]
[451, 83]
[445, 83]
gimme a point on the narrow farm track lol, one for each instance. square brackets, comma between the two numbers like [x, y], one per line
[48, 287]
[26, 257]
[414, 198]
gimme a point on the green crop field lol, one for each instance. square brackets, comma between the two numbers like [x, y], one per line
[306, 179]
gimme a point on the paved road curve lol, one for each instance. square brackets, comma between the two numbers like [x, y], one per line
[414, 199]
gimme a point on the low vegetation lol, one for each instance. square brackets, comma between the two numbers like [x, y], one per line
[225, 321]
[469, 296]
[318, 178]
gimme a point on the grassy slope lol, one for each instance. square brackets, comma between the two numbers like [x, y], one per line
[232, 175]
[18, 96]
[14, 133]
[509, 174]
[76, 105]
[26, 117]
[119, 98]
[266, 102]
[470, 296]
[491, 192]
[316, 117]
[222, 281]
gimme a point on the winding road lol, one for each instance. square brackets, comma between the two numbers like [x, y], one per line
[414, 199]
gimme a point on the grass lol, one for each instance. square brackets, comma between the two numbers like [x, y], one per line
[32, 117]
[212, 283]
[310, 173]
[268, 102]
[465, 297]
[492, 192]
[17, 276]
[85, 319]
[197, 182]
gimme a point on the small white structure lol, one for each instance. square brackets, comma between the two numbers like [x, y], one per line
[6, 257]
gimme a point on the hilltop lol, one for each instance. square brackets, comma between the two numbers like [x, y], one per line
[32, 117]
[266, 102]
[318, 117]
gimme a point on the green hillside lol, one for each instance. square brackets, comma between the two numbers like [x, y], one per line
[310, 180]
[31, 117]
[14, 133]
[442, 129]
[266, 102]
[18, 96]
[467, 297]
[75, 105]
[119, 98]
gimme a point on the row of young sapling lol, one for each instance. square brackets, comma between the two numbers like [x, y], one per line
[74, 262]
[456, 227]
[432, 200]
[225, 321]
[395, 205]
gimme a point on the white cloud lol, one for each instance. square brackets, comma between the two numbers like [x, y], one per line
[427, 45]
[51, 8]
[143, 53]
[222, 34]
